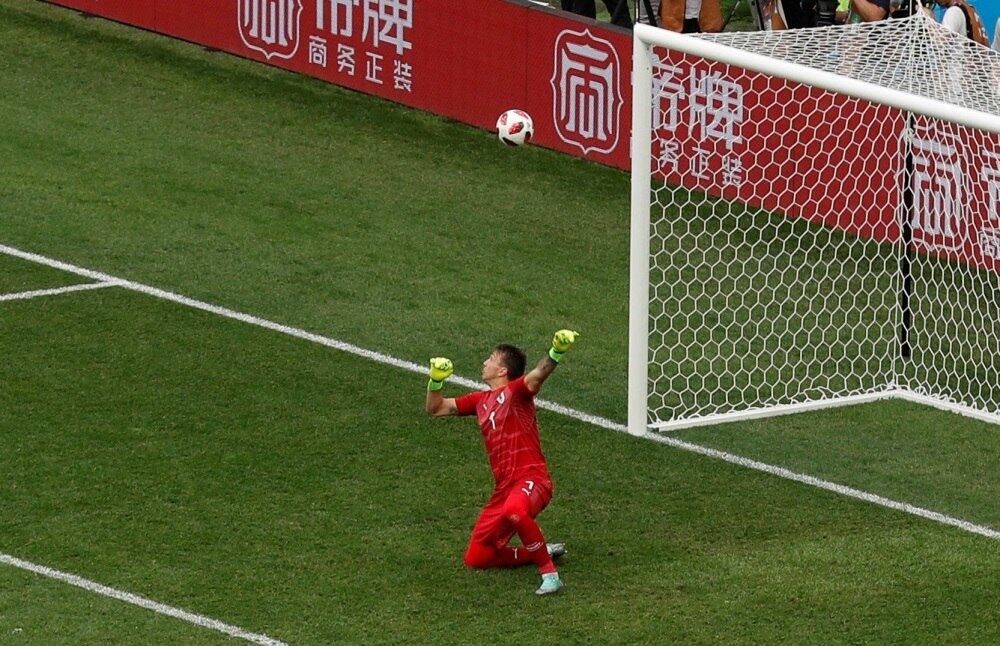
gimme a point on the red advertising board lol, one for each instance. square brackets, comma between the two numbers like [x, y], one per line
[466, 60]
[832, 159]
[472, 60]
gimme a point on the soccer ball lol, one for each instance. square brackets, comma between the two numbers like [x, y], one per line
[515, 128]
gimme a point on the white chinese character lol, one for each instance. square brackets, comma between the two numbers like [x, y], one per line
[345, 59]
[732, 171]
[666, 88]
[669, 154]
[586, 93]
[989, 243]
[699, 163]
[937, 194]
[587, 89]
[373, 67]
[717, 107]
[991, 175]
[937, 190]
[403, 77]
[387, 21]
[341, 22]
[270, 20]
[317, 51]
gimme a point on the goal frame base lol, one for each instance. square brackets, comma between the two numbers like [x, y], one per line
[833, 402]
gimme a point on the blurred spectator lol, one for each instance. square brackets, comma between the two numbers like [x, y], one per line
[962, 18]
[797, 14]
[871, 10]
[643, 15]
[802, 14]
[906, 8]
[691, 16]
[897, 9]
[618, 9]
[826, 12]
[843, 12]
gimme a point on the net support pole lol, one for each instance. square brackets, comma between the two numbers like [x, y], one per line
[906, 230]
[638, 309]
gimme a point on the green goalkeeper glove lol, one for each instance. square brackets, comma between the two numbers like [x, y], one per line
[441, 369]
[561, 342]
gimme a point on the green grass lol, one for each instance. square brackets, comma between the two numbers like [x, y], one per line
[37, 610]
[246, 475]
[300, 492]
[914, 444]
[19, 276]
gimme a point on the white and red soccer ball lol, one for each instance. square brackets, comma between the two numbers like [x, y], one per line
[514, 127]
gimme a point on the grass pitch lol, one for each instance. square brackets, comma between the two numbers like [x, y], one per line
[300, 492]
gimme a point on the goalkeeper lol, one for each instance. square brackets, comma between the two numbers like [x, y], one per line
[506, 415]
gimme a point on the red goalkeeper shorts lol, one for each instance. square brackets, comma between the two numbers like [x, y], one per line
[526, 496]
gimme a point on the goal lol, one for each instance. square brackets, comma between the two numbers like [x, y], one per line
[815, 222]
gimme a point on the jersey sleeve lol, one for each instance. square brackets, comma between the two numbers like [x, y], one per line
[466, 404]
[519, 389]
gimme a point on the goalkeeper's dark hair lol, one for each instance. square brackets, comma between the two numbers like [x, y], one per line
[512, 358]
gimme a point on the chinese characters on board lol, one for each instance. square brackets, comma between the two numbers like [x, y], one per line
[715, 113]
[380, 26]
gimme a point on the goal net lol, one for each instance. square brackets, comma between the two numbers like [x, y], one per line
[815, 222]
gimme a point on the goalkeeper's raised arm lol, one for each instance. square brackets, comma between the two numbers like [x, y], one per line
[437, 405]
[562, 341]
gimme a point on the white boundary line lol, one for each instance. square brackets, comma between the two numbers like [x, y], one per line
[782, 472]
[51, 292]
[547, 405]
[142, 602]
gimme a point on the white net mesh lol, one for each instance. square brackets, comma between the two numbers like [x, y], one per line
[808, 246]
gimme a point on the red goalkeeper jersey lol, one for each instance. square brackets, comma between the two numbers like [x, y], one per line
[510, 431]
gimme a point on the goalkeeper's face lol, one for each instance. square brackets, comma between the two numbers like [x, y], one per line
[493, 368]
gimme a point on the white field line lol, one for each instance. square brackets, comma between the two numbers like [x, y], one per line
[142, 602]
[781, 472]
[558, 408]
[58, 290]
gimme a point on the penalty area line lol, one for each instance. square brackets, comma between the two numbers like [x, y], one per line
[594, 420]
[18, 296]
[142, 602]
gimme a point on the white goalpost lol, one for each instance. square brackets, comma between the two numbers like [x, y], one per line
[815, 222]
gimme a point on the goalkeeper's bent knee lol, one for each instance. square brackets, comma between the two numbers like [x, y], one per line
[479, 556]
